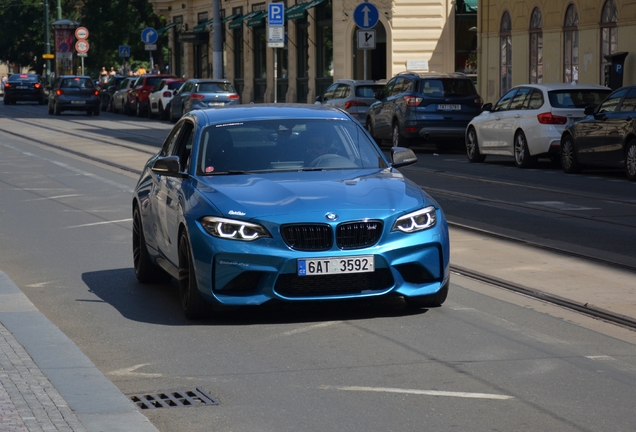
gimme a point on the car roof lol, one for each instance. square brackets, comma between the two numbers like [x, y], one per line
[435, 74]
[359, 82]
[208, 80]
[237, 113]
[564, 86]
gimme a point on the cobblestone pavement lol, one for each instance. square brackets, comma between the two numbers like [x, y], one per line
[28, 401]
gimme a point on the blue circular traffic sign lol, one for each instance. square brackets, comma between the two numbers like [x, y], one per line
[366, 15]
[149, 35]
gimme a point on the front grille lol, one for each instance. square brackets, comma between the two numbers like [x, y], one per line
[308, 237]
[357, 235]
[291, 285]
[415, 273]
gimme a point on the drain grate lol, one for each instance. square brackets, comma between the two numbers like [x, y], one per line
[172, 399]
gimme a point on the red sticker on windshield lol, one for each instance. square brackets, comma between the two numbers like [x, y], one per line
[209, 169]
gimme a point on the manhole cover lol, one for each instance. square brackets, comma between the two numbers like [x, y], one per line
[172, 398]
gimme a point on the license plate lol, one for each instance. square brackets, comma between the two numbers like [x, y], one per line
[215, 104]
[335, 266]
[22, 87]
[78, 102]
[449, 107]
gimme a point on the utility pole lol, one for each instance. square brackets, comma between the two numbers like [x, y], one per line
[47, 41]
[217, 41]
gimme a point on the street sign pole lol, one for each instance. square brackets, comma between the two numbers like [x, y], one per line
[276, 28]
[366, 16]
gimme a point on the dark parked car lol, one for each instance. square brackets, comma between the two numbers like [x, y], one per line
[108, 89]
[252, 204]
[353, 96]
[24, 87]
[74, 93]
[202, 93]
[418, 106]
[138, 97]
[605, 138]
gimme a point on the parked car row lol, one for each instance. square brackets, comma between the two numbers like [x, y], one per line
[578, 126]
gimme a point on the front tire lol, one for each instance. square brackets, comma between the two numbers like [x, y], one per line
[472, 146]
[523, 159]
[630, 160]
[569, 164]
[145, 270]
[429, 301]
[193, 304]
[57, 109]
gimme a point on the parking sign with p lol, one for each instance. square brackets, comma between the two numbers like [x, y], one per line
[276, 14]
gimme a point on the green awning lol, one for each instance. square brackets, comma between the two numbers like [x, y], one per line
[230, 18]
[299, 10]
[201, 26]
[257, 20]
[238, 22]
[162, 30]
[466, 6]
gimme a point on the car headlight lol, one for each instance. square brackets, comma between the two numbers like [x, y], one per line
[233, 229]
[416, 221]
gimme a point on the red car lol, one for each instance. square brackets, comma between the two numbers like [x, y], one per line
[138, 96]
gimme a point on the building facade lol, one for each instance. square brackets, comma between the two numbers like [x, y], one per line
[321, 43]
[522, 41]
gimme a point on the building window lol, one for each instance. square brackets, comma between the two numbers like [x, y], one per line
[571, 46]
[505, 55]
[536, 47]
[324, 47]
[609, 34]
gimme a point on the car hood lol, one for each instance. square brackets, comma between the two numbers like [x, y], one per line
[282, 197]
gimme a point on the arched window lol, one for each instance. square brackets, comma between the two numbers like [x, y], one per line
[571, 45]
[536, 47]
[609, 34]
[505, 55]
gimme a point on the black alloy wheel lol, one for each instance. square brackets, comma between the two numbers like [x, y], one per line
[397, 139]
[193, 304]
[145, 270]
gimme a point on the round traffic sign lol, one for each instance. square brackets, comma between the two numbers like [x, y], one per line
[81, 46]
[81, 33]
[366, 15]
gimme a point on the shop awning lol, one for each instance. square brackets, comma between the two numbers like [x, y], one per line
[466, 6]
[238, 22]
[162, 30]
[299, 10]
[257, 20]
[230, 18]
[201, 26]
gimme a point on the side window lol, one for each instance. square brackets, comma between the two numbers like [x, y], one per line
[169, 144]
[398, 87]
[629, 103]
[341, 91]
[386, 91]
[329, 94]
[347, 91]
[504, 102]
[519, 99]
[610, 104]
[183, 145]
[534, 100]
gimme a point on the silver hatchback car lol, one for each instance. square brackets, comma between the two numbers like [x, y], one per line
[199, 93]
[353, 96]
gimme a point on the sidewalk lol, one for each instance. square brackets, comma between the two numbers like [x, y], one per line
[48, 384]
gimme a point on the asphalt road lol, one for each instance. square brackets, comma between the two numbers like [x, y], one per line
[486, 360]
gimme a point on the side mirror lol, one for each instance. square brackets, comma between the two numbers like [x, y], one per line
[487, 107]
[168, 166]
[318, 99]
[589, 110]
[401, 156]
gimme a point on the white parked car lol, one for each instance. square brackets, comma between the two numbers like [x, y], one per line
[161, 96]
[528, 120]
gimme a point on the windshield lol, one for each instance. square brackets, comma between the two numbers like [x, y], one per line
[23, 78]
[286, 145]
[214, 88]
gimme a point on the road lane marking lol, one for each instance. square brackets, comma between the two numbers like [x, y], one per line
[421, 392]
[100, 223]
[53, 197]
[131, 371]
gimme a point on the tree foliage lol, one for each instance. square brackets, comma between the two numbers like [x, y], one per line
[110, 23]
